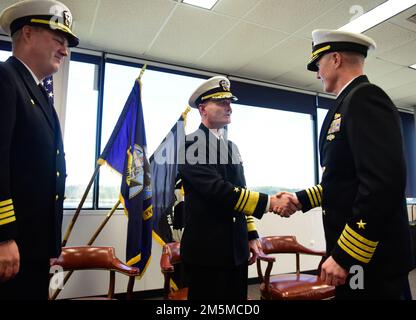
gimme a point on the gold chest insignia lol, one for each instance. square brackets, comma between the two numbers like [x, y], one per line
[330, 137]
[335, 126]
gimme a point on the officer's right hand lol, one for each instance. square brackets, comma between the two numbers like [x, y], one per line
[9, 260]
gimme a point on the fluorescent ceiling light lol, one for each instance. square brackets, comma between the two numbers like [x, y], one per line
[207, 4]
[376, 16]
[413, 66]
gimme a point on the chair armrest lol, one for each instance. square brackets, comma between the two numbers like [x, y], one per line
[265, 257]
[165, 264]
[266, 278]
[121, 267]
[317, 253]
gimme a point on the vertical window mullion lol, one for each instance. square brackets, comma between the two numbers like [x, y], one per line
[100, 84]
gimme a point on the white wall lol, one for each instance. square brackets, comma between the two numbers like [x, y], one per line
[307, 227]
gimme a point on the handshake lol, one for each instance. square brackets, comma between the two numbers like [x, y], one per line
[284, 204]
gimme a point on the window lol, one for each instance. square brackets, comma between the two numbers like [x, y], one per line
[80, 131]
[276, 147]
[321, 114]
[4, 55]
[164, 98]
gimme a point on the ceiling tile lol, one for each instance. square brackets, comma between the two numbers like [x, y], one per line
[401, 19]
[403, 91]
[291, 53]
[230, 8]
[298, 77]
[403, 55]
[396, 78]
[389, 36]
[334, 17]
[129, 25]
[288, 16]
[375, 67]
[239, 46]
[408, 102]
[188, 34]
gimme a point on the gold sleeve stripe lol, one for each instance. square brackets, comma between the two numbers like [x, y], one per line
[242, 195]
[357, 243]
[314, 197]
[360, 238]
[249, 219]
[6, 209]
[251, 226]
[318, 195]
[246, 198]
[252, 201]
[310, 198]
[244, 201]
[6, 215]
[320, 188]
[355, 249]
[8, 220]
[6, 202]
[351, 253]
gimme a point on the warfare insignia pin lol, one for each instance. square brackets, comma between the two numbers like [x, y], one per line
[335, 126]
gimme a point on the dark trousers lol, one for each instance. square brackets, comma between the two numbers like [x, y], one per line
[30, 283]
[217, 283]
[375, 288]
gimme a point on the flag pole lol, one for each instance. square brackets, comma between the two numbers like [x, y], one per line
[141, 72]
[75, 217]
[81, 203]
[97, 168]
[90, 242]
[101, 227]
[185, 114]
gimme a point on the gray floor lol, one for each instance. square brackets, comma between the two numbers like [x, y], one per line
[253, 290]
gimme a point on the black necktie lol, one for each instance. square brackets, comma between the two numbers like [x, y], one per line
[49, 109]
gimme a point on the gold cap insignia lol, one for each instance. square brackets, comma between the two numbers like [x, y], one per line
[67, 18]
[225, 85]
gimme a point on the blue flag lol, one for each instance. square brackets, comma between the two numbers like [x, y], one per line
[164, 168]
[126, 153]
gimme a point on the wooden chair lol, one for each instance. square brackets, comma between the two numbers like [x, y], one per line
[296, 286]
[171, 257]
[97, 258]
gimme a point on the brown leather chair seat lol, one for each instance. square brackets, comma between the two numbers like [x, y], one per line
[296, 286]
